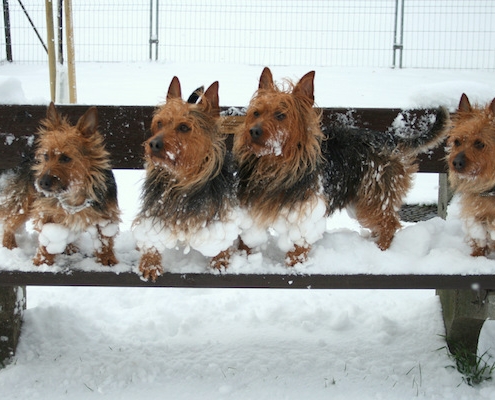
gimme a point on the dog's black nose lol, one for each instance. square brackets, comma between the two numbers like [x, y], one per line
[156, 144]
[459, 162]
[256, 132]
[46, 182]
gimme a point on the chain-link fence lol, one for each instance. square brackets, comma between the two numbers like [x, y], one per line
[357, 33]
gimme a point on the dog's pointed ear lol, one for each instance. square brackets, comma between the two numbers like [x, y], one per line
[464, 104]
[174, 90]
[210, 101]
[266, 79]
[305, 87]
[88, 123]
[52, 116]
[194, 97]
[492, 107]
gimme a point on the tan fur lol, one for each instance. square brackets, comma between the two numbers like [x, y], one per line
[196, 156]
[471, 160]
[15, 206]
[300, 133]
[287, 151]
[73, 158]
[380, 216]
[150, 264]
[185, 159]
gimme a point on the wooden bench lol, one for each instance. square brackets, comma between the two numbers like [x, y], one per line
[465, 298]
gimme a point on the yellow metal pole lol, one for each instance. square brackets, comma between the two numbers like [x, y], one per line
[71, 63]
[51, 48]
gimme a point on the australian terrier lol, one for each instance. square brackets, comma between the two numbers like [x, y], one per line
[292, 175]
[69, 189]
[471, 160]
[188, 194]
[278, 153]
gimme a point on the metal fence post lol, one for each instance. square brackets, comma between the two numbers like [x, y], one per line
[398, 32]
[8, 39]
[154, 35]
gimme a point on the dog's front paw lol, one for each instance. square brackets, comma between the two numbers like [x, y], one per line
[71, 249]
[9, 241]
[43, 257]
[150, 265]
[221, 260]
[298, 255]
[107, 259]
[477, 251]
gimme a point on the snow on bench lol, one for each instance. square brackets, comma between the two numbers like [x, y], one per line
[427, 255]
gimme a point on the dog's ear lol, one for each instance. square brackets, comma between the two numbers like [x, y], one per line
[305, 87]
[174, 90]
[194, 97]
[88, 123]
[464, 104]
[266, 80]
[210, 101]
[492, 107]
[53, 119]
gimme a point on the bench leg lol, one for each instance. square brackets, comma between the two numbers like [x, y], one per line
[12, 306]
[444, 194]
[464, 312]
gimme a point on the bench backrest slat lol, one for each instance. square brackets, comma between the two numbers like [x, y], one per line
[126, 128]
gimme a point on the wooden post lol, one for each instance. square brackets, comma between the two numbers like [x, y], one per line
[12, 306]
[51, 48]
[71, 64]
[444, 194]
[464, 313]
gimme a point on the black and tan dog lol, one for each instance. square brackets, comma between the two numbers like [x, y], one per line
[292, 174]
[471, 159]
[188, 194]
[68, 189]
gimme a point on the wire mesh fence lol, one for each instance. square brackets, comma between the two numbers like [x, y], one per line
[352, 33]
[284, 33]
[449, 34]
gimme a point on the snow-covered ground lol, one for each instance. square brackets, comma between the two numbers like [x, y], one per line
[243, 344]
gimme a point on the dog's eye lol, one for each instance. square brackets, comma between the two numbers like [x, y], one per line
[183, 128]
[457, 143]
[479, 144]
[46, 157]
[256, 114]
[159, 124]
[64, 159]
[280, 116]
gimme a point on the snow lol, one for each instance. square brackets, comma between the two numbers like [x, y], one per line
[56, 237]
[209, 240]
[123, 343]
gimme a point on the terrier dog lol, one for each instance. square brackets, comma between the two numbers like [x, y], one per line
[278, 153]
[75, 188]
[292, 176]
[370, 172]
[189, 190]
[471, 160]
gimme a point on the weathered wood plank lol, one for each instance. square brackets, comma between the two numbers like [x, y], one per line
[12, 306]
[250, 281]
[126, 128]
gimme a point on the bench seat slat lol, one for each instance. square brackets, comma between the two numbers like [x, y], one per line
[226, 280]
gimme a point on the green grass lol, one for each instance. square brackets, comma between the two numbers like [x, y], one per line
[474, 369]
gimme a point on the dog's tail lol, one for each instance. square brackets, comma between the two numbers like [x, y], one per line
[417, 132]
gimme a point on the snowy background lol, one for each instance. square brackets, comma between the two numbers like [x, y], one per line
[120, 343]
